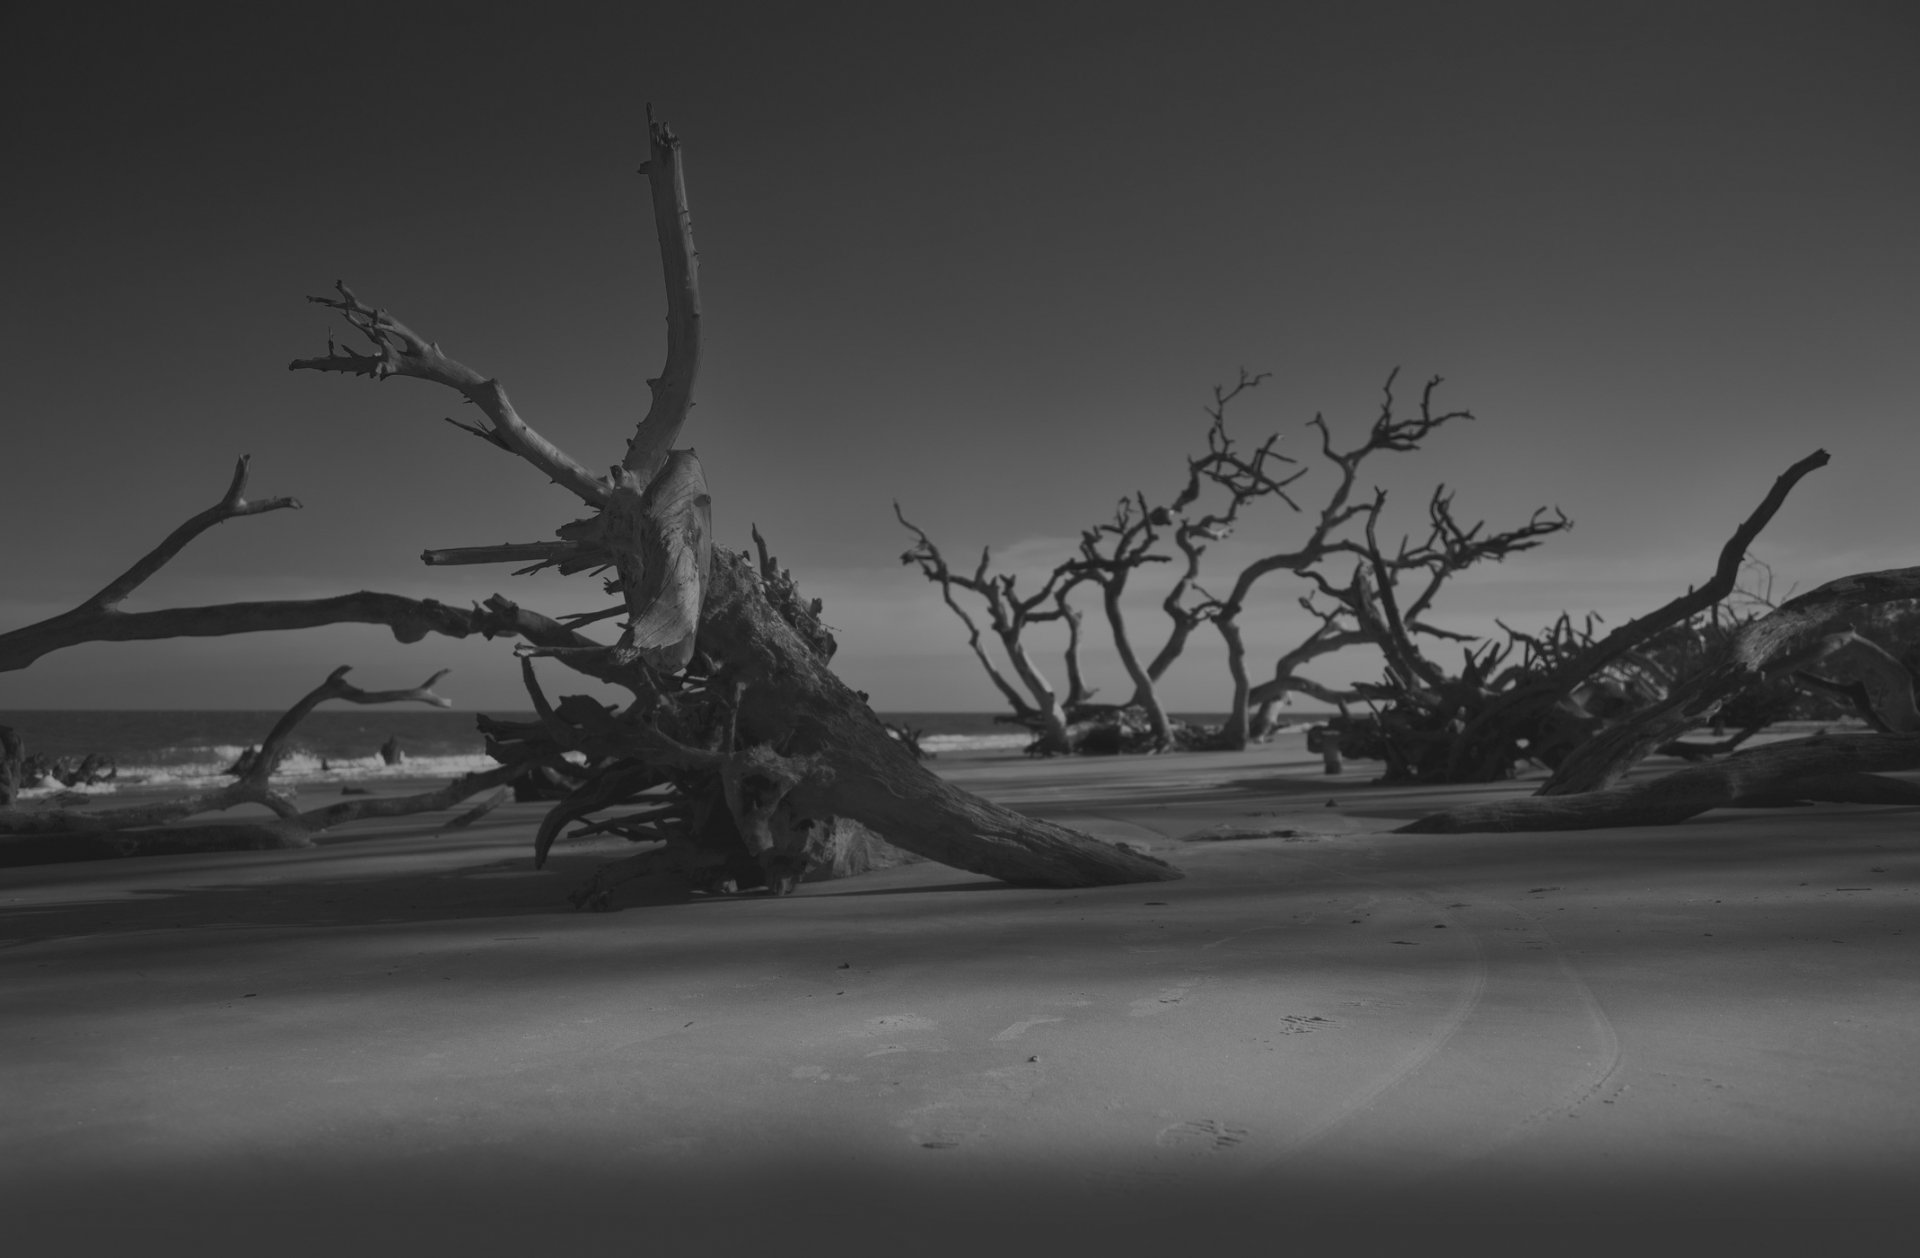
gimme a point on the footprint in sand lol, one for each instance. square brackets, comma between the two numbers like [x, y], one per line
[1160, 1002]
[1021, 1027]
[1301, 1023]
[1201, 1135]
[820, 1074]
[893, 1024]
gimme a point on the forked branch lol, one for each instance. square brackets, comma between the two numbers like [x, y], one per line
[400, 351]
[254, 785]
[231, 505]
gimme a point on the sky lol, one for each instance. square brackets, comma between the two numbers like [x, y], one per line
[985, 260]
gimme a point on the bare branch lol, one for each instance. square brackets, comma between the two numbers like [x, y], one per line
[410, 620]
[231, 505]
[673, 389]
[1725, 576]
[335, 686]
[252, 787]
[1785, 641]
[544, 553]
[400, 351]
[1840, 768]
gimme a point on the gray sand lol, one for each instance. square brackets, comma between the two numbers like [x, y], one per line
[1673, 1038]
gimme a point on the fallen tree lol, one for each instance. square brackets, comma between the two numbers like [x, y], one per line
[41, 836]
[751, 761]
[1499, 712]
[1836, 768]
[1812, 631]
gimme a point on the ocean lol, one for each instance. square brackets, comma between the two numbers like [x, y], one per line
[192, 750]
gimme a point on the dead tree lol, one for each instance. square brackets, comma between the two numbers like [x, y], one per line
[757, 758]
[1488, 742]
[1110, 553]
[33, 836]
[1009, 615]
[746, 750]
[1843, 768]
[1194, 520]
[1803, 633]
[1354, 612]
[1478, 725]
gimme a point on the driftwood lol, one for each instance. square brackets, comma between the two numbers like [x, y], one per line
[1553, 699]
[789, 754]
[1842, 768]
[741, 744]
[35, 836]
[1794, 637]
[1485, 744]
[1802, 633]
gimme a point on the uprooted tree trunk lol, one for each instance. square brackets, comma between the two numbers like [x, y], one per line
[1840, 768]
[1800, 634]
[1525, 714]
[1811, 631]
[804, 754]
[1478, 725]
[783, 760]
[741, 749]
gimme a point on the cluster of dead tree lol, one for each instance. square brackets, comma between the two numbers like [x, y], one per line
[1339, 559]
[1560, 698]
[740, 759]
[1586, 705]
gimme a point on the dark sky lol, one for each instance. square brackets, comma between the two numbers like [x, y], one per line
[985, 260]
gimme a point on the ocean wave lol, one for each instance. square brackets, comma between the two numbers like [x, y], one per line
[296, 768]
[975, 742]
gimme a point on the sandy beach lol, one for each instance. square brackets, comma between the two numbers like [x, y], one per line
[405, 1040]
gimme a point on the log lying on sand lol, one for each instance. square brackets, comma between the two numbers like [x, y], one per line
[92, 845]
[1842, 768]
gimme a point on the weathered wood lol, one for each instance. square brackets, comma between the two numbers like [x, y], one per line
[1790, 637]
[115, 844]
[399, 351]
[1522, 711]
[1833, 768]
[662, 542]
[158, 820]
[793, 701]
[672, 389]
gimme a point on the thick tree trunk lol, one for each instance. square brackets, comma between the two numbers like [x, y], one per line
[1238, 731]
[793, 701]
[1839, 769]
[181, 840]
[1046, 711]
[1791, 636]
[1145, 695]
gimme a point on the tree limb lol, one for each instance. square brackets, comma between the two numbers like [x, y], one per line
[673, 389]
[1824, 768]
[254, 786]
[399, 351]
[1787, 639]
